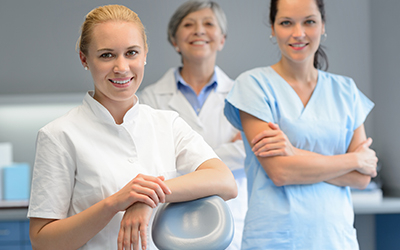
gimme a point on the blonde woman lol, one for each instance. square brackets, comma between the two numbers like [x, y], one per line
[102, 169]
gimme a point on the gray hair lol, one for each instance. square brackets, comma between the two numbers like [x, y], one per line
[193, 6]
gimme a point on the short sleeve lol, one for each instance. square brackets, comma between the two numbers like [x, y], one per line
[190, 147]
[252, 94]
[362, 106]
[52, 179]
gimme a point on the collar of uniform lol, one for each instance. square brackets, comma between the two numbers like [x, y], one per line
[179, 80]
[104, 115]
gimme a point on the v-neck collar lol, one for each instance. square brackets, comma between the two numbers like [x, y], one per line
[293, 93]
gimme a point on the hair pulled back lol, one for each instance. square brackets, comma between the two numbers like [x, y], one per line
[103, 14]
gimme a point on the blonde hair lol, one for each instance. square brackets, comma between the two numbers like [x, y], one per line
[103, 14]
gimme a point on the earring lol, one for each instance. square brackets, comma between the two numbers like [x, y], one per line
[145, 62]
[86, 68]
[271, 39]
[324, 37]
[177, 49]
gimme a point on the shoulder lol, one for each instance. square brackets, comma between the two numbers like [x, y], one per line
[162, 84]
[337, 79]
[257, 74]
[65, 121]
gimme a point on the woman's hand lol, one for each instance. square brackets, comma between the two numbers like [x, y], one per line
[237, 137]
[143, 188]
[366, 158]
[272, 143]
[134, 223]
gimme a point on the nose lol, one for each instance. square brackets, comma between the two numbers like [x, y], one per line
[199, 29]
[121, 65]
[298, 31]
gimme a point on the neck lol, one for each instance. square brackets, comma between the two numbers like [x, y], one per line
[117, 109]
[197, 75]
[296, 73]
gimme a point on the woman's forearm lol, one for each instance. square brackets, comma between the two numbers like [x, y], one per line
[352, 179]
[211, 178]
[307, 169]
[72, 232]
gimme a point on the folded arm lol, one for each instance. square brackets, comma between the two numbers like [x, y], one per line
[74, 231]
[304, 167]
[212, 177]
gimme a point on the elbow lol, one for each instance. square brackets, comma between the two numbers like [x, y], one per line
[278, 177]
[229, 187]
[278, 181]
[231, 190]
[363, 182]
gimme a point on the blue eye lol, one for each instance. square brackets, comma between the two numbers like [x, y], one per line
[285, 23]
[310, 22]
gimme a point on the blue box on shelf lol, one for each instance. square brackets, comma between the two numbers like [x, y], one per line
[16, 181]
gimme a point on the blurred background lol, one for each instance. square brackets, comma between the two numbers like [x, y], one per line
[41, 76]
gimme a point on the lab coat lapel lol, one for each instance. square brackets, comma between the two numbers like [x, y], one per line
[180, 104]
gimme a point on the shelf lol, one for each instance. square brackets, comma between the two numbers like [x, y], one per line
[388, 205]
[17, 210]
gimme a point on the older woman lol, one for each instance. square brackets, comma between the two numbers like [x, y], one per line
[197, 89]
[101, 169]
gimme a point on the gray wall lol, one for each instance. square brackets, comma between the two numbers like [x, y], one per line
[37, 48]
[385, 29]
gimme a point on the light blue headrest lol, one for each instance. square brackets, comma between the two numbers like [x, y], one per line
[205, 223]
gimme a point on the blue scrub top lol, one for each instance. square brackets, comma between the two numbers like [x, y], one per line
[313, 216]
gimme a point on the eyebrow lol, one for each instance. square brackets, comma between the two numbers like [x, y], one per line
[310, 16]
[108, 49]
[205, 18]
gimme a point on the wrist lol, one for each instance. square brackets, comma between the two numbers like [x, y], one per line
[110, 205]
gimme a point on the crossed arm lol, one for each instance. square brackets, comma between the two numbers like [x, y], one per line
[138, 197]
[286, 165]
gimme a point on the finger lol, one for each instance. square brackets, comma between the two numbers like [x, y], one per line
[136, 197]
[367, 143]
[263, 134]
[120, 238]
[146, 194]
[143, 236]
[271, 153]
[135, 238]
[273, 126]
[160, 182]
[127, 237]
[267, 143]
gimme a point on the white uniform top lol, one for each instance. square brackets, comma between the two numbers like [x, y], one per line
[84, 157]
[216, 130]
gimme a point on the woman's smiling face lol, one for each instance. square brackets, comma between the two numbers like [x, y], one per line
[199, 36]
[116, 58]
[298, 28]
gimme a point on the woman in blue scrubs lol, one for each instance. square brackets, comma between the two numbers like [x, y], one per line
[299, 198]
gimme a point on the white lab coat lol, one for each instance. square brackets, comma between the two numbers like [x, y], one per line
[212, 124]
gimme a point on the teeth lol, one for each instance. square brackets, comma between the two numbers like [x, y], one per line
[121, 82]
[299, 45]
[199, 42]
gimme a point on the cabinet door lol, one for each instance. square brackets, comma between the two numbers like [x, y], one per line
[9, 231]
[10, 247]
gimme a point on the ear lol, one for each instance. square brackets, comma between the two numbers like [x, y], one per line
[323, 28]
[272, 30]
[175, 45]
[83, 59]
